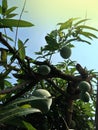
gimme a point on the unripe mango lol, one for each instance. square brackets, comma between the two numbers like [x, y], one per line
[44, 103]
[44, 69]
[65, 52]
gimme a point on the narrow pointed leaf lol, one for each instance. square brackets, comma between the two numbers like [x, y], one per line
[9, 38]
[81, 21]
[4, 6]
[81, 40]
[28, 126]
[21, 49]
[10, 10]
[88, 35]
[16, 112]
[86, 27]
[24, 101]
[21, 123]
[11, 15]
[4, 57]
[67, 24]
[14, 23]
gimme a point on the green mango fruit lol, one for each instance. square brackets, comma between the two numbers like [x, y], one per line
[85, 86]
[44, 69]
[85, 96]
[44, 102]
[65, 52]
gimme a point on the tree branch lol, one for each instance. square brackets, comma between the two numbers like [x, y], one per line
[10, 90]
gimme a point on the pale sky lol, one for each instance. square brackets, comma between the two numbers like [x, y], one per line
[51, 11]
[45, 14]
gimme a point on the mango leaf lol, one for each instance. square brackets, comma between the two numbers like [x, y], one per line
[28, 126]
[15, 112]
[82, 40]
[7, 84]
[4, 57]
[66, 24]
[11, 15]
[86, 27]
[21, 49]
[4, 6]
[2, 96]
[10, 10]
[88, 34]
[50, 40]
[7, 37]
[81, 21]
[52, 43]
[26, 106]
[6, 23]
[19, 101]
[21, 123]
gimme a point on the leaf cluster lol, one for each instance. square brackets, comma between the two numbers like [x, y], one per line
[69, 32]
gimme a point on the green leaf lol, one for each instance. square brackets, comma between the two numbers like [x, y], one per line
[66, 24]
[6, 23]
[8, 84]
[26, 100]
[10, 10]
[4, 57]
[86, 27]
[81, 21]
[50, 40]
[52, 44]
[9, 38]
[28, 126]
[4, 6]
[14, 112]
[2, 96]
[11, 15]
[82, 40]
[21, 49]
[88, 34]
[21, 123]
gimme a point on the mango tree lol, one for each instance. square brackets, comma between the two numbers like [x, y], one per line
[45, 96]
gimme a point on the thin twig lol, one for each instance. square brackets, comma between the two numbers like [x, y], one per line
[19, 22]
[65, 123]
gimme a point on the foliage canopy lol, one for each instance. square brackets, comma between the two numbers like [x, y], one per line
[62, 81]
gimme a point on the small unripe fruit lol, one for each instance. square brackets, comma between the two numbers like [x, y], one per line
[65, 52]
[44, 69]
[85, 96]
[44, 103]
[84, 86]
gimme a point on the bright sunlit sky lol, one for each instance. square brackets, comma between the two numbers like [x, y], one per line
[45, 14]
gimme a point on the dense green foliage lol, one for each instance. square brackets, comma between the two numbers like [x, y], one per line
[70, 108]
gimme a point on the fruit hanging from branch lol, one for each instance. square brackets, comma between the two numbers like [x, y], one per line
[85, 96]
[44, 69]
[44, 102]
[65, 52]
[84, 86]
